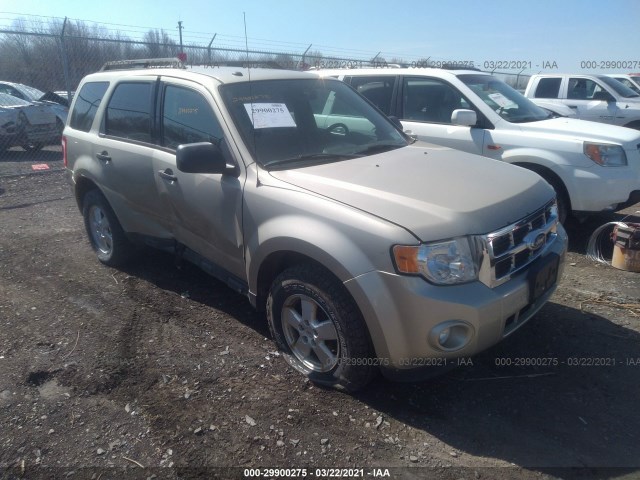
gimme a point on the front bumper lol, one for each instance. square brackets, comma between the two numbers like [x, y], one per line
[598, 189]
[402, 313]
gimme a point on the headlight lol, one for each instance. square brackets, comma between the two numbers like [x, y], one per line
[443, 263]
[605, 154]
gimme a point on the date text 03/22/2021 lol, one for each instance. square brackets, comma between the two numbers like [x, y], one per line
[316, 473]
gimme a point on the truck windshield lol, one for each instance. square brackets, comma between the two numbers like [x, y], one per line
[619, 88]
[300, 122]
[510, 104]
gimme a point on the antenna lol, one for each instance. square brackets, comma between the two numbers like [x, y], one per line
[253, 125]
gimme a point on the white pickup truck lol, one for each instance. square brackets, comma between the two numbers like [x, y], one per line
[592, 167]
[598, 98]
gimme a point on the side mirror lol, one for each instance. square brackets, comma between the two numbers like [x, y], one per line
[464, 117]
[202, 157]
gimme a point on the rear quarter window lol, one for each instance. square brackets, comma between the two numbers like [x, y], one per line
[87, 103]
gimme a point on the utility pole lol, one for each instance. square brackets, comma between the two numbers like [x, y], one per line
[180, 31]
[65, 62]
[182, 56]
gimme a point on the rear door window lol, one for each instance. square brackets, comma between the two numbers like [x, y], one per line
[87, 103]
[379, 90]
[129, 112]
[548, 88]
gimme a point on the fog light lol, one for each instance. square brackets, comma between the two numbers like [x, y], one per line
[451, 335]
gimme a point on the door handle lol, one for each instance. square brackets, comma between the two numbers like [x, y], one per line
[103, 156]
[167, 175]
[573, 106]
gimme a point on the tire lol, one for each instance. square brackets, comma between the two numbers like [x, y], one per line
[564, 205]
[318, 326]
[105, 233]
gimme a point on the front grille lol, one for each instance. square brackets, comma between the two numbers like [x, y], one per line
[512, 248]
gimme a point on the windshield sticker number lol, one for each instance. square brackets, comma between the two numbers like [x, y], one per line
[269, 115]
[501, 100]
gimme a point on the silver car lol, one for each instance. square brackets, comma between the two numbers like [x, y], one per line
[26, 124]
[368, 251]
[52, 101]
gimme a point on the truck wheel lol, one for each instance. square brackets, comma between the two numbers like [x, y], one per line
[317, 325]
[105, 233]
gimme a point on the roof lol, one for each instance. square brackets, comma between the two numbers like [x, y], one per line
[396, 71]
[221, 74]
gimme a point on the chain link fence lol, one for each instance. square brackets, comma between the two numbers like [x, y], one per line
[56, 57]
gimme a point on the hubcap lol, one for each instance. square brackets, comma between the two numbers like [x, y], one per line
[310, 333]
[100, 230]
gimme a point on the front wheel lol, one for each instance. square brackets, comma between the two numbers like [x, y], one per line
[564, 204]
[317, 325]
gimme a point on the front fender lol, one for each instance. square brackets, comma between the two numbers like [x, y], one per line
[346, 253]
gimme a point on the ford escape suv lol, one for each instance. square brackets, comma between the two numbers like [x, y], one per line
[367, 250]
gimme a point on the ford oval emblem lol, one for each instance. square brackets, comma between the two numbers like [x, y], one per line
[535, 239]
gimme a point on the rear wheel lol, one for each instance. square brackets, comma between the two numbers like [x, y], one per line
[317, 325]
[105, 233]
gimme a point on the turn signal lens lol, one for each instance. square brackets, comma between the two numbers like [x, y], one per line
[406, 258]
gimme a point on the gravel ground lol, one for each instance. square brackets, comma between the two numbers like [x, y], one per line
[159, 372]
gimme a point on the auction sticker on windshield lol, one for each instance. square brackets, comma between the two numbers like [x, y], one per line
[501, 100]
[269, 115]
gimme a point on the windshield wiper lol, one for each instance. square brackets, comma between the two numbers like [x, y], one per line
[529, 119]
[310, 156]
[378, 148]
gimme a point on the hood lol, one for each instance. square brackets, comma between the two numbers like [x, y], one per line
[631, 100]
[585, 130]
[434, 192]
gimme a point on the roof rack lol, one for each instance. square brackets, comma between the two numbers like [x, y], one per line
[143, 63]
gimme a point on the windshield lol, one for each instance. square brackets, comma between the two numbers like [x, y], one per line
[306, 121]
[510, 104]
[618, 87]
[628, 83]
[7, 100]
[30, 92]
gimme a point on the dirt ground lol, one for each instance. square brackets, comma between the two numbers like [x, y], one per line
[155, 372]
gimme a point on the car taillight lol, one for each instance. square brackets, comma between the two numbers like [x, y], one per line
[64, 151]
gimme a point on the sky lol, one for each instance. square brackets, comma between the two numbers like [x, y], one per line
[539, 35]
